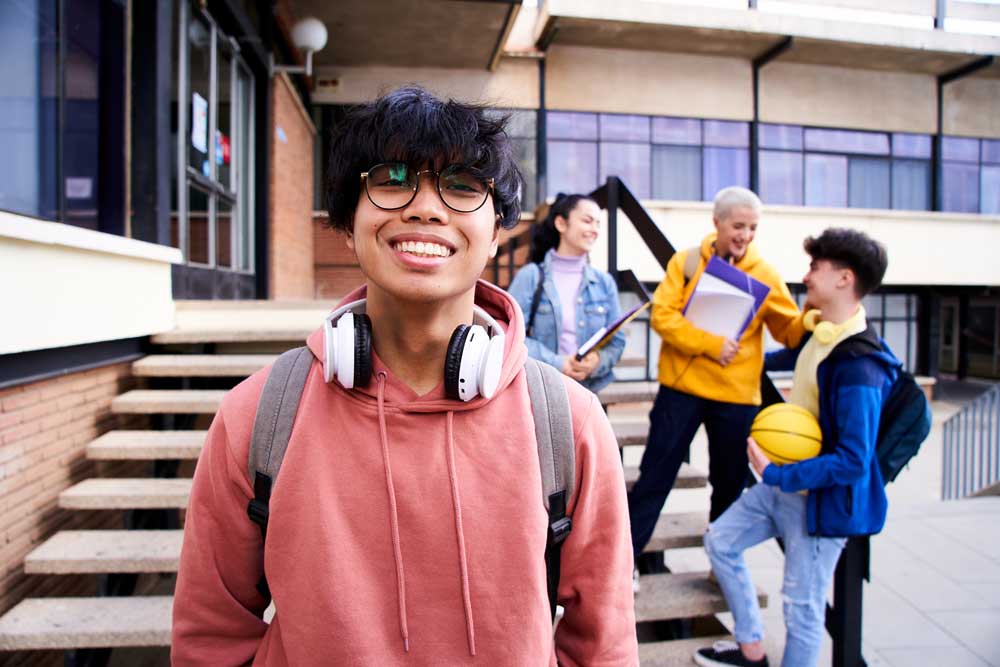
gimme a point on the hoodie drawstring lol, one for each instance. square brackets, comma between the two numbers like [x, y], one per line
[470, 628]
[393, 516]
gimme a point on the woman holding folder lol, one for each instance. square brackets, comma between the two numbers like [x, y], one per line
[565, 300]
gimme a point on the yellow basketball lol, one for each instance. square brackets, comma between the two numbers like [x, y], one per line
[787, 433]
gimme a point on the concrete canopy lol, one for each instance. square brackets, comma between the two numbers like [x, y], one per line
[403, 33]
[749, 33]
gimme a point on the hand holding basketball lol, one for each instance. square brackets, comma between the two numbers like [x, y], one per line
[758, 460]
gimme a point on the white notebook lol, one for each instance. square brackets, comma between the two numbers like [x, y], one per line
[718, 307]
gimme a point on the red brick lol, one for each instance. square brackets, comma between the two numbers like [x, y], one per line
[20, 400]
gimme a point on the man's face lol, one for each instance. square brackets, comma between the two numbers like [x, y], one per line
[735, 232]
[425, 251]
[824, 281]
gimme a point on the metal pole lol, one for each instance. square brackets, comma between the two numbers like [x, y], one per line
[613, 201]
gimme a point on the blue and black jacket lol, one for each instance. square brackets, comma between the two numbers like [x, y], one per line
[846, 491]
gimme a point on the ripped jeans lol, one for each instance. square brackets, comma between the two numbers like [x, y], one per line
[761, 513]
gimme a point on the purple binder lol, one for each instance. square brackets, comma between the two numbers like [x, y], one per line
[741, 281]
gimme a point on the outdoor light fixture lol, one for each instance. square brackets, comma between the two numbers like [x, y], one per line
[308, 35]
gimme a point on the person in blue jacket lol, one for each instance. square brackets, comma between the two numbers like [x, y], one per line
[565, 300]
[843, 373]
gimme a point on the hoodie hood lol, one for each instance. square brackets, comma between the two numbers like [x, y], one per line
[751, 258]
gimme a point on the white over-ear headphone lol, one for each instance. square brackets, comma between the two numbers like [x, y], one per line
[472, 364]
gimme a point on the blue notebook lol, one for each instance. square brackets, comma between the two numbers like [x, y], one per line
[726, 301]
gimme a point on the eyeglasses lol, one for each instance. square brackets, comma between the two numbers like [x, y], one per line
[393, 185]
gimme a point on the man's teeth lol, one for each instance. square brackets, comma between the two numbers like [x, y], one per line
[422, 248]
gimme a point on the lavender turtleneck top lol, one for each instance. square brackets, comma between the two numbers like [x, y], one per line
[567, 272]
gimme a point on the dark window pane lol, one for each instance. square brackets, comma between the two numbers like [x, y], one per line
[868, 182]
[677, 173]
[826, 180]
[780, 136]
[982, 329]
[198, 224]
[911, 185]
[780, 177]
[572, 167]
[199, 64]
[616, 127]
[684, 131]
[990, 190]
[960, 149]
[991, 151]
[959, 187]
[224, 134]
[629, 162]
[524, 151]
[223, 233]
[726, 133]
[911, 145]
[725, 167]
[847, 141]
[569, 125]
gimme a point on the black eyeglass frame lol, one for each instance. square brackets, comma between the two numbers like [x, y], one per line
[437, 181]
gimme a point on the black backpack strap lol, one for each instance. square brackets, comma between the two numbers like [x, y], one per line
[556, 459]
[536, 298]
[272, 429]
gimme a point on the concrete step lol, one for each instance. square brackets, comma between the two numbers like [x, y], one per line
[628, 392]
[106, 551]
[678, 530]
[687, 478]
[201, 365]
[68, 623]
[250, 332]
[664, 597]
[630, 432]
[168, 401]
[675, 653]
[124, 493]
[147, 445]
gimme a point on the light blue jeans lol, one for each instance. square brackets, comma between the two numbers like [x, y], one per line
[761, 513]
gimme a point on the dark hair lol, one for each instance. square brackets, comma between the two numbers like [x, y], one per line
[854, 250]
[545, 236]
[411, 125]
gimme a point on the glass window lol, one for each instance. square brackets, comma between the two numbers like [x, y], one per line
[677, 173]
[960, 149]
[526, 150]
[243, 151]
[522, 123]
[223, 121]
[911, 145]
[826, 180]
[873, 305]
[572, 167]
[780, 177]
[724, 167]
[726, 133]
[896, 305]
[847, 141]
[990, 189]
[779, 136]
[911, 185]
[571, 125]
[224, 233]
[199, 39]
[629, 162]
[960, 187]
[894, 334]
[868, 182]
[683, 131]
[198, 226]
[991, 151]
[617, 127]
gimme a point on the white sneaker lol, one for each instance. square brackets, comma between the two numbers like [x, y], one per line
[635, 581]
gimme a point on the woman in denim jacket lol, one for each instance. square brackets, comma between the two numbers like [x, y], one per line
[575, 299]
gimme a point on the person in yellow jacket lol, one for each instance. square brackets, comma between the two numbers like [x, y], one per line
[705, 378]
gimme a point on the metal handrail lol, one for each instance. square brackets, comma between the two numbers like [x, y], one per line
[971, 452]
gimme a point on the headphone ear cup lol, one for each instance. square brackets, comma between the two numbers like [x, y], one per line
[362, 349]
[453, 360]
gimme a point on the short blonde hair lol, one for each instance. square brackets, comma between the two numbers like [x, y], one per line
[732, 197]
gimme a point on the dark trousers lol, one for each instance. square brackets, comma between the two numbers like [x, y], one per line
[673, 421]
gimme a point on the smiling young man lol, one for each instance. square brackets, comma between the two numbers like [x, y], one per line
[843, 372]
[408, 525]
[705, 378]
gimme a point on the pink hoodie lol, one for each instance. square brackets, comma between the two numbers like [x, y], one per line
[405, 529]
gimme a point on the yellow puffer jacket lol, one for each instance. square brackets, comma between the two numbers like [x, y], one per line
[688, 355]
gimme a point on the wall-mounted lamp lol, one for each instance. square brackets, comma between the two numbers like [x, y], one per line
[308, 35]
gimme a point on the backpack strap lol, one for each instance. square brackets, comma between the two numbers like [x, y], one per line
[556, 459]
[536, 298]
[272, 429]
[692, 258]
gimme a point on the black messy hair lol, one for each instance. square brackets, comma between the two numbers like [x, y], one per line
[854, 250]
[413, 126]
[545, 236]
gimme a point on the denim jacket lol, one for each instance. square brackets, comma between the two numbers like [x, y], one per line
[596, 306]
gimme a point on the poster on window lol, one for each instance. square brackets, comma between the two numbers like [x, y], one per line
[199, 123]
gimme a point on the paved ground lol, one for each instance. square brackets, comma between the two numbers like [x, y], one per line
[934, 598]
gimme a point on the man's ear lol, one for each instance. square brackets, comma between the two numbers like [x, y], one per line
[495, 243]
[349, 239]
[847, 279]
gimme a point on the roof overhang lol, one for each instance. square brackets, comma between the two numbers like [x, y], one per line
[748, 33]
[467, 34]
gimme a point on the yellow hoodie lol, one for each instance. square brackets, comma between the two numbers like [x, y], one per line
[688, 355]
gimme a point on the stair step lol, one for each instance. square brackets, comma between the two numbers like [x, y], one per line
[678, 530]
[147, 445]
[664, 597]
[687, 478]
[674, 653]
[106, 551]
[292, 335]
[631, 433]
[168, 401]
[628, 392]
[201, 365]
[124, 493]
[69, 623]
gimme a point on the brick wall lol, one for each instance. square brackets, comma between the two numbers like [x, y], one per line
[291, 188]
[44, 430]
[336, 267]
